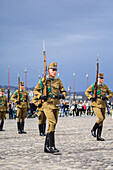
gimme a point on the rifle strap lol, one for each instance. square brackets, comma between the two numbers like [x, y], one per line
[48, 90]
[93, 88]
[1, 102]
[17, 95]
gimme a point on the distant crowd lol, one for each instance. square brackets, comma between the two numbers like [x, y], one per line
[66, 109]
[79, 108]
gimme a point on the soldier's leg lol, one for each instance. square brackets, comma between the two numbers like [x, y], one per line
[2, 117]
[100, 118]
[19, 113]
[40, 122]
[44, 124]
[56, 117]
[99, 131]
[24, 115]
[51, 128]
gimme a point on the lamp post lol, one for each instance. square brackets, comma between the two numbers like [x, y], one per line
[69, 89]
[25, 79]
[87, 79]
[73, 86]
[8, 86]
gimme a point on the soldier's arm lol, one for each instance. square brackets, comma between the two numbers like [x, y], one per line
[110, 93]
[37, 90]
[62, 89]
[34, 100]
[88, 92]
[13, 97]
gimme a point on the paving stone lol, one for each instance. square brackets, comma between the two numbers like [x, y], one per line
[78, 149]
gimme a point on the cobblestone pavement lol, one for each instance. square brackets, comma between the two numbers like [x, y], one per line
[78, 149]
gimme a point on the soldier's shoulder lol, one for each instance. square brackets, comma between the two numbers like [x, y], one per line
[105, 85]
[5, 97]
[25, 91]
[16, 92]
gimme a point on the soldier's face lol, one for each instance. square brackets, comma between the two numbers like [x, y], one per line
[21, 87]
[1, 93]
[52, 72]
[101, 80]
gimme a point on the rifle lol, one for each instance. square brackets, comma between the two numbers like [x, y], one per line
[95, 91]
[18, 98]
[44, 91]
[45, 70]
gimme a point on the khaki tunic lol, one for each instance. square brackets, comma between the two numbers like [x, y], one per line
[51, 105]
[99, 105]
[24, 104]
[99, 102]
[3, 107]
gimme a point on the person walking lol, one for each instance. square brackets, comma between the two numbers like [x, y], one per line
[22, 107]
[51, 104]
[99, 104]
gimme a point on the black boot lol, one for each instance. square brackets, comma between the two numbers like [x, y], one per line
[41, 129]
[51, 143]
[55, 149]
[19, 129]
[46, 146]
[1, 126]
[22, 128]
[99, 131]
[44, 128]
[93, 131]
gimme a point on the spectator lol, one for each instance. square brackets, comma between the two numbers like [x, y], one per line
[61, 108]
[84, 107]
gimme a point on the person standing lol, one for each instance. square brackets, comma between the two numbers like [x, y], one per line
[99, 104]
[3, 108]
[51, 104]
[22, 107]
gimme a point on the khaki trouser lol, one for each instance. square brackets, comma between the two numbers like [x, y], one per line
[2, 115]
[52, 117]
[21, 114]
[100, 114]
[41, 117]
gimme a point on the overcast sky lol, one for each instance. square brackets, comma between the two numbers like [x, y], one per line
[75, 31]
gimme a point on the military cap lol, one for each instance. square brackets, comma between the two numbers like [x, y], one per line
[53, 65]
[101, 75]
[2, 89]
[22, 83]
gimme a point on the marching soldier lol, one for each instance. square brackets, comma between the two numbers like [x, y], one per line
[99, 104]
[3, 108]
[51, 104]
[41, 116]
[21, 107]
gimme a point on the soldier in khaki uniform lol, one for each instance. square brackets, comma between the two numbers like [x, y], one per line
[99, 104]
[51, 104]
[41, 117]
[21, 107]
[3, 108]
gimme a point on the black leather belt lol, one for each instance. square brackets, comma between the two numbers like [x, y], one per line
[54, 97]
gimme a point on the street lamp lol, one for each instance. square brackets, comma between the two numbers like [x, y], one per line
[73, 86]
[25, 79]
[69, 89]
